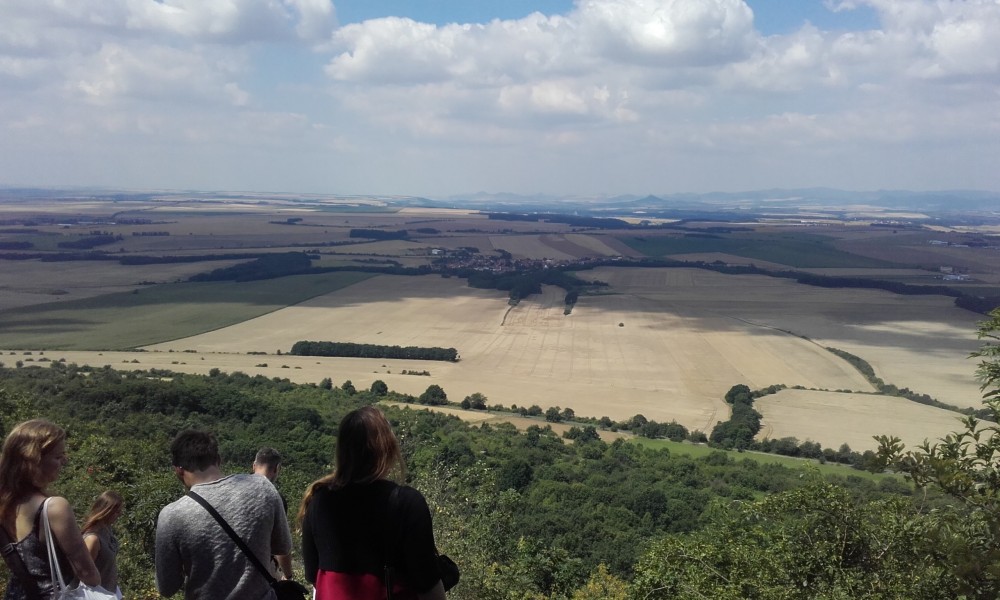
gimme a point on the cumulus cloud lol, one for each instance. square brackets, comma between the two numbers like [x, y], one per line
[606, 80]
[632, 50]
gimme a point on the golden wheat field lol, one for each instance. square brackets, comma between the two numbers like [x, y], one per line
[666, 343]
[832, 418]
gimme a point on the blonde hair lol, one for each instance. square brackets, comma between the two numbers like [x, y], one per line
[106, 506]
[367, 450]
[21, 459]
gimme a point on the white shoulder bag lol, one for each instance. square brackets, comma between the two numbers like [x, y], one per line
[62, 592]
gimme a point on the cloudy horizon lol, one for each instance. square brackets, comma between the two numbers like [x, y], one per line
[421, 98]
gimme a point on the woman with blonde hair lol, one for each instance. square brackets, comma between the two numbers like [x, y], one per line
[100, 538]
[358, 525]
[33, 455]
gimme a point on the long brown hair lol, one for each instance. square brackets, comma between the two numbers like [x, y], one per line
[106, 506]
[367, 450]
[20, 461]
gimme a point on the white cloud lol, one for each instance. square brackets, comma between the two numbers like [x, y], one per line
[618, 88]
[667, 32]
[140, 72]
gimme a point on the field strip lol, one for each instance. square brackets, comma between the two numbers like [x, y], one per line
[157, 313]
[833, 418]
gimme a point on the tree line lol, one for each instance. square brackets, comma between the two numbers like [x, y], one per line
[355, 350]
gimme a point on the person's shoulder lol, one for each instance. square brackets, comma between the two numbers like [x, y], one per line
[410, 495]
[56, 503]
[179, 506]
[321, 492]
[56, 506]
[244, 481]
[257, 485]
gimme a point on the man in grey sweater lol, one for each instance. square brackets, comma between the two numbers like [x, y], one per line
[192, 550]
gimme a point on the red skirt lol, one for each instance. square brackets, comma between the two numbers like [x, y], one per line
[331, 585]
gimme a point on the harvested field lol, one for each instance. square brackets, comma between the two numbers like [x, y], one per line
[33, 282]
[666, 343]
[919, 342]
[616, 355]
[833, 419]
[529, 246]
[578, 245]
[383, 248]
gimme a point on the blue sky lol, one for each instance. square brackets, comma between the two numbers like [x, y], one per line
[436, 98]
[771, 16]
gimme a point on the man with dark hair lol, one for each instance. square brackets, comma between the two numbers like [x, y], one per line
[267, 463]
[193, 552]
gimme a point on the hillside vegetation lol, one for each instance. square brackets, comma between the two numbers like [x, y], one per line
[531, 515]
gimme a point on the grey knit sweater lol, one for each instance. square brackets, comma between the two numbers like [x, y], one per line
[194, 553]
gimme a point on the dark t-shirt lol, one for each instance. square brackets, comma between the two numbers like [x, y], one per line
[347, 531]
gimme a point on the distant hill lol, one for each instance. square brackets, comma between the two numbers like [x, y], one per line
[936, 202]
[687, 205]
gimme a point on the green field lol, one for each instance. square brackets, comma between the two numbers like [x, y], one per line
[795, 250]
[701, 450]
[159, 313]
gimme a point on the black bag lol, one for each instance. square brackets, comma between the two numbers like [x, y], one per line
[286, 589]
[449, 571]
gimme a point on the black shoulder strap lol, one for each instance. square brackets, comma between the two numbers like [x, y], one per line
[16, 565]
[386, 541]
[236, 538]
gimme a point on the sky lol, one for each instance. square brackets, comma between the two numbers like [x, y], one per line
[442, 97]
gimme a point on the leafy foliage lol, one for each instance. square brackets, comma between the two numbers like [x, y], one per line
[527, 514]
[813, 542]
[964, 465]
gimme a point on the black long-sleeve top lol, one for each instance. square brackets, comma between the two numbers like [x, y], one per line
[348, 531]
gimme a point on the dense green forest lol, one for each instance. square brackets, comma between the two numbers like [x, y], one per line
[534, 515]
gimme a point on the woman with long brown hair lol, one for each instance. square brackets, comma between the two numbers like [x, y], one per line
[100, 538]
[350, 535]
[33, 455]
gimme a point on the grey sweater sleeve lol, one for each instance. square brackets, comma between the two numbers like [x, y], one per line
[281, 536]
[169, 565]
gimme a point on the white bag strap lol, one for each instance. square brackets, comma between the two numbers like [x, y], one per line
[58, 583]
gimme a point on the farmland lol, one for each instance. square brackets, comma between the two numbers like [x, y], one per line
[662, 342]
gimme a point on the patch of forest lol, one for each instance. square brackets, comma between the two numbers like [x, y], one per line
[354, 350]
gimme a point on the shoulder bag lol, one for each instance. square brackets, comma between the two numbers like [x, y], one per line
[446, 567]
[284, 590]
[61, 591]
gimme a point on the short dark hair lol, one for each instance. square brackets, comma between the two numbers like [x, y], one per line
[268, 457]
[194, 450]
